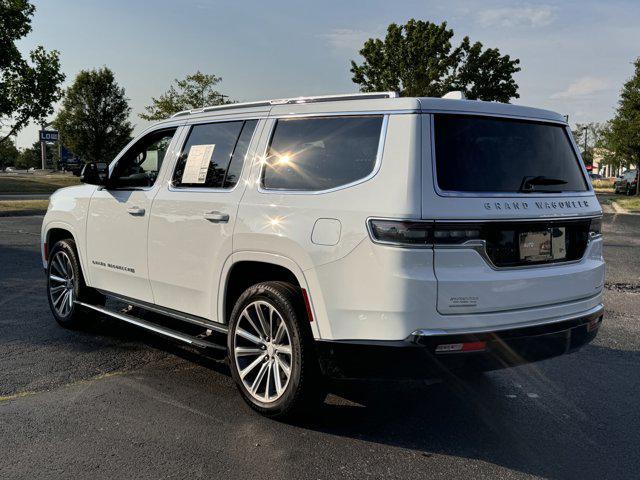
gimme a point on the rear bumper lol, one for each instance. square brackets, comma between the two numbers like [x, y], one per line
[419, 357]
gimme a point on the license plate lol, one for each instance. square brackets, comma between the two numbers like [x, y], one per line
[543, 245]
[536, 246]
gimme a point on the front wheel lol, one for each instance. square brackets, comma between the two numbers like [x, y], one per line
[65, 285]
[271, 352]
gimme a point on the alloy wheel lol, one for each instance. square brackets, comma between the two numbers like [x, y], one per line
[61, 283]
[263, 351]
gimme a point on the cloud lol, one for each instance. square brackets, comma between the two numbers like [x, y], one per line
[582, 87]
[346, 38]
[522, 16]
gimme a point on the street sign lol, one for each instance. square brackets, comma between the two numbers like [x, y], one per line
[48, 136]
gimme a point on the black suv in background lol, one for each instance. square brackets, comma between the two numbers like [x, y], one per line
[627, 183]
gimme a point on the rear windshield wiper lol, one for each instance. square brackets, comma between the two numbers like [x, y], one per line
[528, 183]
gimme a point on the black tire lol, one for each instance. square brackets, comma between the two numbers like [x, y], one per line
[64, 264]
[304, 387]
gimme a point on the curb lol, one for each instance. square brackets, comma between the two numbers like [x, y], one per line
[621, 210]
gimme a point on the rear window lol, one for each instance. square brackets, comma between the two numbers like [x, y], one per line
[312, 154]
[485, 154]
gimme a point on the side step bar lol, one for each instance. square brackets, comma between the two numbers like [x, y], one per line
[138, 322]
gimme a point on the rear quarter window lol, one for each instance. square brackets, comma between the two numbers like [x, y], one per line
[490, 154]
[313, 154]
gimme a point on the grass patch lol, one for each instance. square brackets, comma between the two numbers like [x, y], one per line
[632, 204]
[23, 184]
[603, 185]
[22, 207]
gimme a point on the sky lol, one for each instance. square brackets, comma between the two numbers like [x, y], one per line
[575, 55]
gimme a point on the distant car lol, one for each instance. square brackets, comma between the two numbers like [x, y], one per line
[32, 169]
[9, 169]
[627, 183]
[595, 176]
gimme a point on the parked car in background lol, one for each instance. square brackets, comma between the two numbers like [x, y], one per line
[595, 176]
[627, 183]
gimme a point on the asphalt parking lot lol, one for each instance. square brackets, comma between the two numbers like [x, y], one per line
[110, 401]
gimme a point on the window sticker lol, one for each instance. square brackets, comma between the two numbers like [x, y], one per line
[197, 166]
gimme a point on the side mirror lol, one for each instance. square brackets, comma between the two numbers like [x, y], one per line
[92, 174]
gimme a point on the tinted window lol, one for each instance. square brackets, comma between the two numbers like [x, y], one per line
[482, 154]
[139, 166]
[321, 153]
[210, 149]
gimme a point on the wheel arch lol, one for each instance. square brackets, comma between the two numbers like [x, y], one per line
[52, 233]
[244, 269]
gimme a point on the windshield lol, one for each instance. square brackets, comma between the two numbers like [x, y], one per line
[487, 154]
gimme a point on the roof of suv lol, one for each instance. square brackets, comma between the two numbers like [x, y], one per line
[370, 103]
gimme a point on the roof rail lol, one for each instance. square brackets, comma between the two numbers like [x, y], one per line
[288, 101]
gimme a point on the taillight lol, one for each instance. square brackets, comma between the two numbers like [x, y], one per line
[421, 233]
[451, 234]
[401, 232]
[595, 227]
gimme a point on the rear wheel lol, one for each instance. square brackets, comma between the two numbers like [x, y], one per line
[65, 285]
[271, 352]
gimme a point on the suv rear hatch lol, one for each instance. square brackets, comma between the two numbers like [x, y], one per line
[512, 214]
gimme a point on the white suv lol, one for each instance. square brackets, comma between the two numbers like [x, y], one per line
[345, 236]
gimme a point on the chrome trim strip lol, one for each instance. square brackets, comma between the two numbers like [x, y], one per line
[415, 335]
[541, 219]
[191, 340]
[185, 317]
[374, 172]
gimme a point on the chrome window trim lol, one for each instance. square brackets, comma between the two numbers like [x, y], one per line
[456, 193]
[172, 188]
[373, 173]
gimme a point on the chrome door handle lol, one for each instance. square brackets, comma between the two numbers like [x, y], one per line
[135, 211]
[216, 217]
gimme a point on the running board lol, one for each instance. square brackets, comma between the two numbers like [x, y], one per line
[138, 322]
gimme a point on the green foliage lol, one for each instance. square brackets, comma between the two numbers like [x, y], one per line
[28, 89]
[417, 59]
[8, 154]
[194, 91]
[621, 137]
[30, 157]
[94, 119]
[592, 132]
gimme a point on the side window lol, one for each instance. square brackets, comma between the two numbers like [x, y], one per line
[139, 166]
[314, 154]
[213, 154]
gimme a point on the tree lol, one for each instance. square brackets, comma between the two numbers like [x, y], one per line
[8, 154]
[28, 90]
[622, 137]
[591, 132]
[29, 157]
[418, 59]
[194, 91]
[94, 119]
